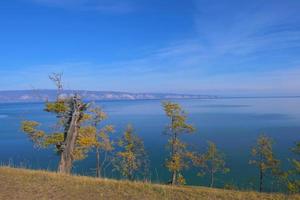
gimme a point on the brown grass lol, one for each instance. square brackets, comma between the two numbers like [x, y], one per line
[30, 185]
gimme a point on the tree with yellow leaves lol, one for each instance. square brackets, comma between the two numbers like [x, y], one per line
[293, 182]
[212, 162]
[263, 158]
[131, 159]
[178, 126]
[102, 142]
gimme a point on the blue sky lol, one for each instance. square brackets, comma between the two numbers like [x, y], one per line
[229, 47]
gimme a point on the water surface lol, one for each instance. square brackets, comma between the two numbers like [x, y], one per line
[233, 124]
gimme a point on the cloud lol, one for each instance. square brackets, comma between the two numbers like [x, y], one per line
[242, 48]
[104, 6]
[247, 29]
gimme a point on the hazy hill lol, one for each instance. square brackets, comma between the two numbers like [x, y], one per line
[42, 95]
[29, 185]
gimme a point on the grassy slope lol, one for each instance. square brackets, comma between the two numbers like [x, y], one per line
[28, 184]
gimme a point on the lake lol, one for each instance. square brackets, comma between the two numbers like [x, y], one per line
[233, 124]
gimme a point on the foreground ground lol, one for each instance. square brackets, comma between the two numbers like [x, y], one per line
[31, 185]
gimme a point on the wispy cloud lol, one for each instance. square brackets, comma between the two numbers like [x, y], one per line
[249, 30]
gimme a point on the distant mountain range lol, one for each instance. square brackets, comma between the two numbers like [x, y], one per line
[42, 95]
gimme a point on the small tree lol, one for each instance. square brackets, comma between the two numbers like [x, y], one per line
[102, 143]
[211, 162]
[263, 158]
[294, 173]
[69, 138]
[176, 161]
[131, 158]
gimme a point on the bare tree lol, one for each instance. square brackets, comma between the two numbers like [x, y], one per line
[57, 79]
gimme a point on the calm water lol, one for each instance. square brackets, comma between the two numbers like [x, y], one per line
[233, 124]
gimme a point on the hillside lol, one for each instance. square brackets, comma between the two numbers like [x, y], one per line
[42, 95]
[30, 185]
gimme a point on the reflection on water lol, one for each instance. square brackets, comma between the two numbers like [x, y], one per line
[233, 124]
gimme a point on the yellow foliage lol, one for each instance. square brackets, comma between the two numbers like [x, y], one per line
[56, 107]
[37, 136]
[87, 136]
[53, 139]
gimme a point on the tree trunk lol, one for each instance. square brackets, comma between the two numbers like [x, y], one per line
[98, 169]
[174, 174]
[71, 133]
[173, 151]
[260, 180]
[174, 178]
[212, 179]
[130, 172]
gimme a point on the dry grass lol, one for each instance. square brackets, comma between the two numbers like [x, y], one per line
[30, 185]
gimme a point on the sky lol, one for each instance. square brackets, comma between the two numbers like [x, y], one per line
[225, 47]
